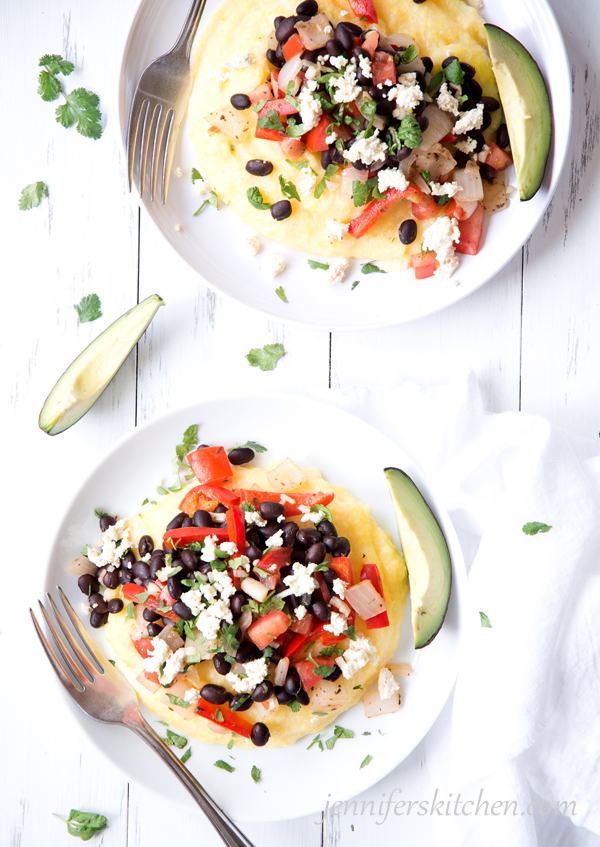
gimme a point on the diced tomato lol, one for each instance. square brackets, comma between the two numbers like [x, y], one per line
[448, 139]
[371, 42]
[498, 159]
[226, 496]
[292, 47]
[299, 642]
[211, 465]
[364, 9]
[165, 597]
[249, 495]
[306, 670]
[223, 716]
[383, 68]
[152, 677]
[315, 138]
[304, 626]
[267, 628]
[144, 648]
[352, 110]
[424, 266]
[323, 588]
[131, 593]
[376, 208]
[328, 638]
[269, 134]
[453, 210]
[471, 231]
[276, 559]
[191, 534]
[262, 92]
[425, 208]
[282, 107]
[195, 500]
[292, 148]
[236, 527]
[343, 568]
[371, 572]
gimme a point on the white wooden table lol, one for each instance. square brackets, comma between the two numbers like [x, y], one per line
[532, 336]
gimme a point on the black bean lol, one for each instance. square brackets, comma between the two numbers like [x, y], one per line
[145, 546]
[407, 231]
[243, 455]
[308, 7]
[220, 509]
[467, 105]
[309, 56]
[468, 70]
[449, 61]
[358, 51]
[252, 552]
[260, 734]
[275, 656]
[487, 120]
[214, 694]
[187, 521]
[269, 529]
[502, 137]
[344, 37]
[289, 532]
[292, 682]
[306, 537]
[247, 652]
[111, 579]
[385, 107]
[141, 570]
[106, 521]
[154, 629]
[298, 556]
[475, 90]
[418, 2]
[343, 547]
[321, 610]
[150, 616]
[98, 619]
[417, 111]
[254, 538]
[243, 700]
[98, 603]
[462, 159]
[337, 157]
[421, 82]
[221, 664]
[115, 605]
[315, 553]
[487, 173]
[279, 53]
[88, 584]
[128, 560]
[278, 20]
[376, 93]
[306, 599]
[333, 48]
[272, 58]
[490, 104]
[205, 568]
[286, 29]
[327, 528]
[428, 64]
[189, 560]
[423, 122]
[281, 210]
[240, 102]
[335, 675]
[202, 518]
[124, 577]
[282, 696]
[361, 78]
[165, 622]
[354, 29]
[176, 522]
[271, 510]
[180, 608]
[174, 588]
[329, 576]
[480, 142]
[262, 691]
[303, 698]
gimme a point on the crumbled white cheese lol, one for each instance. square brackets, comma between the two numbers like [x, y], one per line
[275, 265]
[254, 671]
[275, 540]
[368, 150]
[391, 178]
[337, 228]
[337, 271]
[343, 13]
[406, 94]
[339, 588]
[219, 76]
[254, 518]
[346, 88]
[176, 663]
[329, 139]
[300, 581]
[441, 237]
[85, 608]
[242, 60]
[228, 547]
[253, 243]
[219, 517]
[242, 563]
[164, 573]
[386, 684]
[468, 145]
[300, 612]
[283, 499]
[191, 696]
[178, 227]
[309, 515]
[337, 624]
[338, 62]
[224, 583]
[160, 653]
[469, 121]
[178, 173]
[209, 621]
[484, 154]
[328, 29]
[447, 102]
[356, 656]
[114, 542]
[202, 186]
[209, 553]
[308, 181]
[365, 66]
[194, 599]
[448, 189]
[310, 108]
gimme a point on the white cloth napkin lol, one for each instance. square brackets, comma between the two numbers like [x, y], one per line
[523, 720]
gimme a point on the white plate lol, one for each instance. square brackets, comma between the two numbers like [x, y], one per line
[350, 453]
[213, 243]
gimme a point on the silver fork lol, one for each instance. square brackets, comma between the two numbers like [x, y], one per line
[103, 694]
[159, 104]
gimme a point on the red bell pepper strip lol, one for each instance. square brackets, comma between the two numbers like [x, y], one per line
[255, 498]
[268, 628]
[131, 593]
[376, 208]
[226, 496]
[364, 9]
[211, 465]
[315, 138]
[306, 669]
[236, 527]
[275, 559]
[292, 47]
[190, 534]
[471, 231]
[230, 720]
[343, 568]
[371, 572]
[300, 640]
[195, 500]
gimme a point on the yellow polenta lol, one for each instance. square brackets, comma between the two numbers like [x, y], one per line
[370, 544]
[441, 28]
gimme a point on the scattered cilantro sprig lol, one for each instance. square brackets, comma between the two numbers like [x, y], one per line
[266, 357]
[89, 308]
[83, 825]
[225, 766]
[485, 621]
[255, 773]
[32, 195]
[256, 199]
[534, 527]
[81, 105]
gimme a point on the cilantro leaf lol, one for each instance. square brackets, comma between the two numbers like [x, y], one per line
[409, 55]
[55, 64]
[255, 773]
[454, 73]
[49, 87]
[177, 701]
[196, 175]
[370, 268]
[89, 308]
[271, 121]
[32, 195]
[354, 284]
[317, 266]
[83, 825]
[186, 756]
[81, 108]
[410, 132]
[255, 198]
[130, 611]
[436, 83]
[534, 527]
[426, 176]
[258, 448]
[225, 766]
[316, 740]
[294, 706]
[303, 163]
[365, 762]
[328, 175]
[350, 633]
[288, 189]
[293, 129]
[485, 621]
[174, 740]
[266, 357]
[99, 513]
[281, 294]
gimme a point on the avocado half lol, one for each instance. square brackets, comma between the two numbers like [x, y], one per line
[526, 107]
[86, 378]
[427, 557]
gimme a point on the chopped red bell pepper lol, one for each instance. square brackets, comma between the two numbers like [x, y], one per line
[269, 134]
[292, 47]
[290, 509]
[190, 534]
[371, 572]
[236, 527]
[383, 69]
[471, 231]
[315, 138]
[448, 139]
[211, 465]
[425, 208]
[131, 593]
[343, 568]
[276, 559]
[364, 9]
[306, 670]
[226, 496]
[268, 628]
[424, 266]
[144, 648]
[376, 208]
[301, 640]
[195, 500]
[223, 716]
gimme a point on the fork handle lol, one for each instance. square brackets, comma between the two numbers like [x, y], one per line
[186, 36]
[228, 831]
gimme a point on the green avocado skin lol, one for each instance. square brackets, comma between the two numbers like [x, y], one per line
[427, 557]
[523, 93]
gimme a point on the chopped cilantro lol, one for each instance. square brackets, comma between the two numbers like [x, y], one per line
[186, 755]
[174, 740]
[288, 189]
[80, 107]
[256, 199]
[258, 448]
[265, 358]
[225, 766]
[255, 773]
[534, 527]
[32, 195]
[485, 621]
[454, 73]
[328, 175]
[317, 266]
[354, 284]
[294, 706]
[436, 83]
[89, 308]
[365, 762]
[177, 701]
[409, 55]
[271, 121]
[83, 825]
[316, 740]
[130, 611]
[99, 513]
[370, 268]
[258, 106]
[303, 163]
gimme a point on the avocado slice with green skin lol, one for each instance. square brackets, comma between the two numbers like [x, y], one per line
[86, 378]
[427, 557]
[526, 107]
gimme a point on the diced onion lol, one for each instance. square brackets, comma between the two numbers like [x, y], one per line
[437, 161]
[240, 573]
[350, 175]
[255, 589]
[81, 565]
[421, 184]
[267, 707]
[400, 668]
[327, 696]
[469, 180]
[290, 70]
[288, 591]
[219, 730]
[244, 620]
[398, 39]
[411, 67]
[342, 607]
[272, 40]
[314, 33]
[151, 686]
[172, 638]
[285, 476]
[238, 668]
[440, 124]
[375, 707]
[365, 600]
[281, 671]
[468, 207]
[153, 589]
